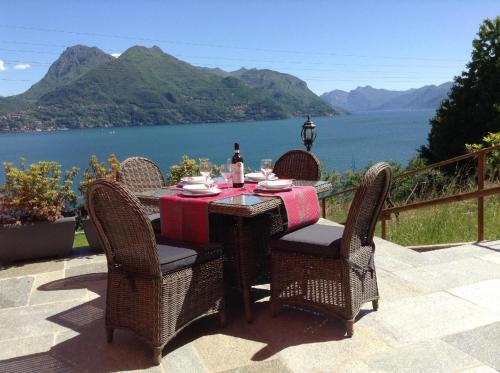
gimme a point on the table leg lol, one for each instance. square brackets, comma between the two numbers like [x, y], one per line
[244, 271]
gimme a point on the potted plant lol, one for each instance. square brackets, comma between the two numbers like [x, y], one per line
[35, 207]
[94, 171]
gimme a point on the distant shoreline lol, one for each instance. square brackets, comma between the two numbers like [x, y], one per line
[303, 118]
[299, 118]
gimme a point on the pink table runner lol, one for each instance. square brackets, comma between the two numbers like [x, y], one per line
[186, 218]
[301, 206]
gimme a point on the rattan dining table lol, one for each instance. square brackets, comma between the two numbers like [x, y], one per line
[243, 223]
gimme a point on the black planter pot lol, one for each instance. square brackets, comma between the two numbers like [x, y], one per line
[36, 240]
[91, 234]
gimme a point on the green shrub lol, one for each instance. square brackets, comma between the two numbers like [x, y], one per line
[187, 167]
[36, 193]
[98, 170]
[492, 157]
[95, 170]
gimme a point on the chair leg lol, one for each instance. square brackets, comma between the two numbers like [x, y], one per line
[157, 351]
[222, 319]
[350, 328]
[109, 334]
[274, 308]
[375, 305]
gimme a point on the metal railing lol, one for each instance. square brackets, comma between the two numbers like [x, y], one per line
[478, 194]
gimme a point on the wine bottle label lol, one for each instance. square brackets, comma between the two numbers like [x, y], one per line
[237, 171]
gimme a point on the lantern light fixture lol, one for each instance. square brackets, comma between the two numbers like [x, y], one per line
[308, 133]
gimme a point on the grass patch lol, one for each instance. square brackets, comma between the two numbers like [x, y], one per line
[80, 241]
[455, 222]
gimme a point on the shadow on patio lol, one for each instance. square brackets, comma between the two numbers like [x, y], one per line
[83, 346]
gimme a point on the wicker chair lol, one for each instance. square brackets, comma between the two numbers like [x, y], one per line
[154, 290]
[140, 174]
[298, 164]
[329, 267]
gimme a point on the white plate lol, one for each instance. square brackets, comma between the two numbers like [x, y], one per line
[275, 184]
[193, 180]
[198, 193]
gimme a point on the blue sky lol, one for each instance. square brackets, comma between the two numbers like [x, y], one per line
[329, 44]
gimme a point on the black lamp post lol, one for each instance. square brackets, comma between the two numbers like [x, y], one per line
[308, 133]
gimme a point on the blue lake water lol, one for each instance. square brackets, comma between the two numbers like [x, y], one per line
[342, 142]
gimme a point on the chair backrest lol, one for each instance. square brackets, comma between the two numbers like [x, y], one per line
[365, 209]
[140, 174]
[123, 227]
[298, 164]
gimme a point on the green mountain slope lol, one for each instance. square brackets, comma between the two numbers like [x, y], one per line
[12, 104]
[145, 86]
[72, 64]
[291, 92]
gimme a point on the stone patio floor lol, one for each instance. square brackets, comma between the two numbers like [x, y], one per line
[439, 312]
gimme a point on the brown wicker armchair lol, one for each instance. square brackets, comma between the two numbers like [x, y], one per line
[330, 267]
[140, 174]
[298, 164]
[154, 290]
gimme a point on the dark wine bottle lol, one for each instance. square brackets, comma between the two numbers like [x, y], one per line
[237, 168]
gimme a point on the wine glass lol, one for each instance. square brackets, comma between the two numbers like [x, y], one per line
[225, 171]
[205, 168]
[266, 166]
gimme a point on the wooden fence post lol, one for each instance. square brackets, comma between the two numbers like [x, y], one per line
[384, 228]
[480, 200]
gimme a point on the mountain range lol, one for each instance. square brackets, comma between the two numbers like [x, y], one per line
[86, 87]
[372, 99]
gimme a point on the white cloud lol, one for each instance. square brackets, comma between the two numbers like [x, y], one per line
[22, 66]
[2, 66]
[116, 55]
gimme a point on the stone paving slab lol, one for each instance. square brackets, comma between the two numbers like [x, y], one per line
[485, 294]
[40, 294]
[433, 356]
[26, 269]
[480, 369]
[494, 258]
[425, 317]
[393, 288]
[482, 343]
[442, 276]
[272, 366]
[12, 348]
[84, 259]
[14, 292]
[32, 321]
[98, 267]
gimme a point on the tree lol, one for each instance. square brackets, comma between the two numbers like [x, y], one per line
[472, 109]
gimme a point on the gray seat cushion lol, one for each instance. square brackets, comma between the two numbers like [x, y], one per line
[155, 222]
[315, 239]
[175, 256]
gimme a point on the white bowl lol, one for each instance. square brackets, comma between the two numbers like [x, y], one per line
[255, 176]
[199, 189]
[193, 180]
[276, 184]
[259, 176]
